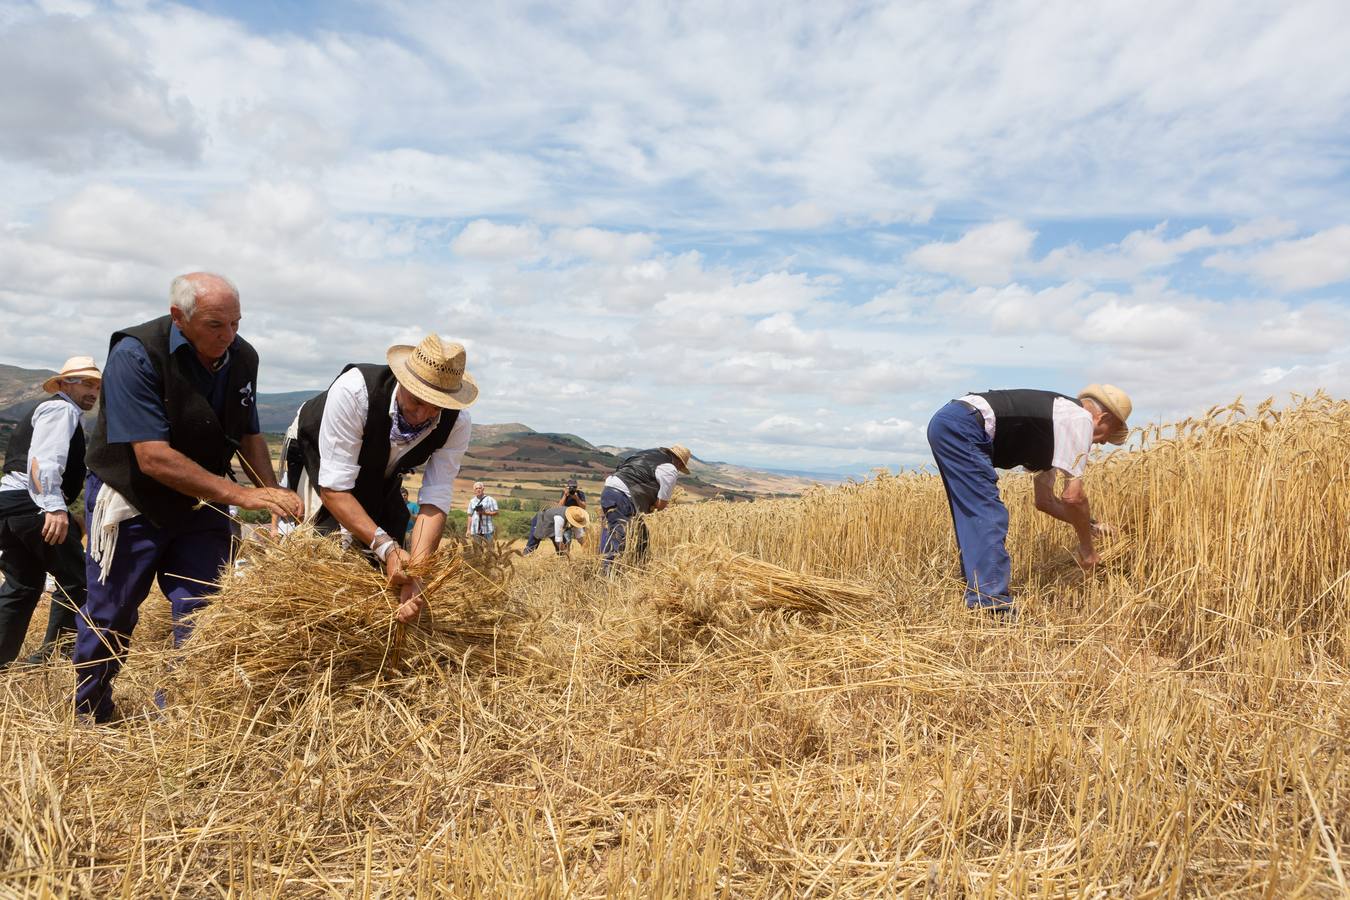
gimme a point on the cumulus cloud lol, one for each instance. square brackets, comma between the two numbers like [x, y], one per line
[987, 254]
[482, 239]
[1311, 262]
[598, 243]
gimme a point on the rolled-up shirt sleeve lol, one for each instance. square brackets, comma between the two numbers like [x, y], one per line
[53, 426]
[666, 476]
[438, 481]
[341, 430]
[558, 523]
[1072, 426]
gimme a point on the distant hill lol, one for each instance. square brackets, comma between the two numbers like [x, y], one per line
[19, 386]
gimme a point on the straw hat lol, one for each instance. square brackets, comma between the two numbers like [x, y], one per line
[75, 367]
[681, 454]
[433, 372]
[576, 517]
[1116, 402]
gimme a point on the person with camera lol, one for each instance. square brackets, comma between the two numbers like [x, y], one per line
[482, 510]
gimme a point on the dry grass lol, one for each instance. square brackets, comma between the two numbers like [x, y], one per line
[1176, 724]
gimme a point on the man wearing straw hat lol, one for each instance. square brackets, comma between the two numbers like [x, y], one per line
[43, 474]
[373, 425]
[178, 404]
[1042, 431]
[643, 482]
[560, 524]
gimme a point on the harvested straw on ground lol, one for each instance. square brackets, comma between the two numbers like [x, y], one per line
[303, 608]
[712, 583]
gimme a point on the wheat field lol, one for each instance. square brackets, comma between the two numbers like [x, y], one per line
[787, 700]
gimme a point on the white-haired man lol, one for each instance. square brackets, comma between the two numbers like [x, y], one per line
[178, 403]
[482, 512]
[1042, 431]
[43, 474]
[373, 425]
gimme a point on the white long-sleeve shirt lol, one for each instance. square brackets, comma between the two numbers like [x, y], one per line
[341, 435]
[53, 426]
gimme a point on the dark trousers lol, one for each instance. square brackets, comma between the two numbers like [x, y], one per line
[963, 452]
[620, 512]
[25, 560]
[186, 560]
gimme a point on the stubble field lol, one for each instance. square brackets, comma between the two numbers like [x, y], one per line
[1176, 724]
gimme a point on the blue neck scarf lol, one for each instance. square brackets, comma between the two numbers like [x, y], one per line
[400, 432]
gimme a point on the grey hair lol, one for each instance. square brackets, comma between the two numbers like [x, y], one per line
[186, 290]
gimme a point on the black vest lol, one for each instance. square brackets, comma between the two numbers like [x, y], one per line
[543, 523]
[638, 471]
[194, 428]
[379, 496]
[16, 457]
[1024, 429]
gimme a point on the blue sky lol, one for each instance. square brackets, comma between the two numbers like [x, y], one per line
[782, 234]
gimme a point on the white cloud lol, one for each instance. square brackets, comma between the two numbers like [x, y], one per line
[80, 94]
[482, 239]
[1311, 262]
[987, 254]
[768, 294]
[597, 243]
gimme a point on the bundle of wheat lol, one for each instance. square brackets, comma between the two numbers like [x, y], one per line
[303, 608]
[710, 582]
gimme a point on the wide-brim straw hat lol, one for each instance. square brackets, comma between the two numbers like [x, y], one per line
[433, 372]
[681, 454]
[1116, 402]
[75, 367]
[577, 517]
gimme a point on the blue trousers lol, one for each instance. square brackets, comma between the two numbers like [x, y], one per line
[186, 560]
[619, 511]
[964, 459]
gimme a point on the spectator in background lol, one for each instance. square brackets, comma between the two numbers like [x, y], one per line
[43, 474]
[482, 510]
[413, 509]
[572, 495]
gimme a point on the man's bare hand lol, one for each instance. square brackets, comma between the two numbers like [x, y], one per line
[412, 603]
[278, 501]
[396, 567]
[1087, 557]
[54, 527]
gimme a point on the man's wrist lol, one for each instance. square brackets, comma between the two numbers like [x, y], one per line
[381, 543]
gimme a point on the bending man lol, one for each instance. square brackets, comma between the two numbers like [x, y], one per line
[643, 483]
[44, 473]
[1042, 431]
[560, 524]
[373, 425]
[178, 403]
